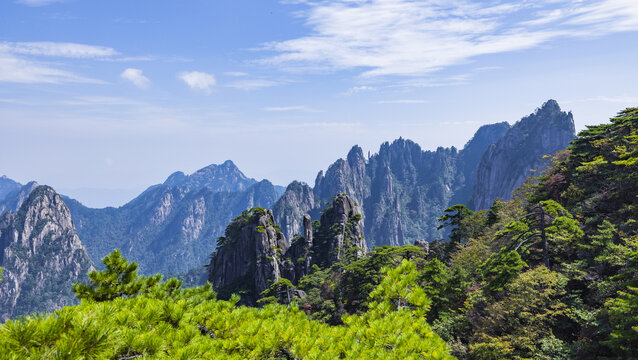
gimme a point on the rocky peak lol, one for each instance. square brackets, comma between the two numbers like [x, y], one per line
[289, 210]
[520, 153]
[222, 177]
[41, 254]
[340, 233]
[248, 257]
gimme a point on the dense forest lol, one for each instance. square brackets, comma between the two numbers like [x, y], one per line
[550, 274]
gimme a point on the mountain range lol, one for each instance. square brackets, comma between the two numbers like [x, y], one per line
[402, 190]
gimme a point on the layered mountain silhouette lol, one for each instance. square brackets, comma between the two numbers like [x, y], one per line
[404, 189]
[172, 227]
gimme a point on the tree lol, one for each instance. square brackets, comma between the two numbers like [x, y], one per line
[118, 280]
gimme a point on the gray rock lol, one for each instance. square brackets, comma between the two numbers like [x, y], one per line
[520, 153]
[41, 256]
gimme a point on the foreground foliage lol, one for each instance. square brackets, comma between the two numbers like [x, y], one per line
[167, 322]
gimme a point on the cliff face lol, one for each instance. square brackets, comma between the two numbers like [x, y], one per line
[403, 189]
[340, 233]
[170, 228]
[253, 254]
[513, 158]
[41, 256]
[289, 210]
[248, 258]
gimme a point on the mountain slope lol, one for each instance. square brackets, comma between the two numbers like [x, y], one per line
[41, 256]
[170, 228]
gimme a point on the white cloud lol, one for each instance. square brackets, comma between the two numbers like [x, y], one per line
[302, 108]
[358, 89]
[17, 70]
[416, 38]
[197, 80]
[135, 76]
[58, 49]
[253, 84]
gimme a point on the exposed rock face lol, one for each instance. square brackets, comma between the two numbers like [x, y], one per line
[7, 186]
[470, 157]
[13, 200]
[403, 190]
[254, 254]
[41, 254]
[289, 210]
[170, 228]
[248, 259]
[340, 233]
[300, 253]
[512, 159]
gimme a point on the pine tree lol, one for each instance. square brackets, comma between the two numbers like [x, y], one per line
[118, 280]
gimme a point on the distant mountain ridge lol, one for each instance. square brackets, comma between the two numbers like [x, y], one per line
[403, 189]
[7, 186]
[172, 227]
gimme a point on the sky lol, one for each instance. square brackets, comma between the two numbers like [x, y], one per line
[101, 99]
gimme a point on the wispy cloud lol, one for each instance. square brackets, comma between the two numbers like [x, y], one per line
[402, 101]
[136, 77]
[58, 49]
[37, 2]
[199, 81]
[22, 62]
[17, 70]
[416, 38]
[357, 89]
[235, 73]
[302, 108]
[252, 84]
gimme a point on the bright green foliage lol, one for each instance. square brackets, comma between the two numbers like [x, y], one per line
[598, 179]
[281, 291]
[399, 290]
[192, 324]
[500, 269]
[623, 316]
[119, 279]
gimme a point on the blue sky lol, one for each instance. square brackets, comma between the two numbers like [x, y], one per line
[101, 99]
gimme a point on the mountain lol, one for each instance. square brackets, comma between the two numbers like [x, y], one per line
[403, 189]
[13, 200]
[7, 186]
[41, 256]
[521, 151]
[254, 255]
[171, 227]
[222, 177]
